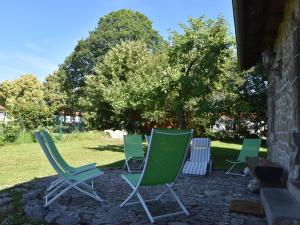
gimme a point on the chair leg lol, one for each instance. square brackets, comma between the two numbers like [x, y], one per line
[178, 200]
[56, 196]
[231, 173]
[161, 195]
[55, 183]
[143, 202]
[127, 199]
[76, 185]
[92, 194]
[145, 207]
[55, 189]
[142, 164]
[127, 165]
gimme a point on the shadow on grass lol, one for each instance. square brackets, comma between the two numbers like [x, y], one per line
[117, 164]
[113, 148]
[240, 142]
[219, 155]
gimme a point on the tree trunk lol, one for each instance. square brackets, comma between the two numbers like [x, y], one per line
[181, 119]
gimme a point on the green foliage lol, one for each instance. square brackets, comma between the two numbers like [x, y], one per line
[200, 53]
[117, 26]
[132, 80]
[25, 137]
[253, 97]
[123, 75]
[32, 115]
[25, 103]
[11, 132]
[55, 92]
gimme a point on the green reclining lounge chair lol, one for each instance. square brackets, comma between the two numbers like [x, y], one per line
[250, 148]
[133, 148]
[68, 180]
[60, 160]
[165, 158]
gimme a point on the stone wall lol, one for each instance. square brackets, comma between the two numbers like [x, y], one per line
[283, 68]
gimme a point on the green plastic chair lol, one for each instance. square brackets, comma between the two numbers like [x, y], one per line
[69, 180]
[165, 157]
[133, 148]
[250, 148]
[60, 160]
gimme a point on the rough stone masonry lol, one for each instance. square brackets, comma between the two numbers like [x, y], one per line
[282, 63]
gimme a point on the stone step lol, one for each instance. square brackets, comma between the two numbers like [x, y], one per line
[294, 189]
[280, 206]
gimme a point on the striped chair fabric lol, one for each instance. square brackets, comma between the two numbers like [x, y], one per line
[200, 157]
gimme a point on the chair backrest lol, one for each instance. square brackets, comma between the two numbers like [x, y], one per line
[54, 151]
[250, 148]
[133, 146]
[200, 151]
[50, 158]
[166, 153]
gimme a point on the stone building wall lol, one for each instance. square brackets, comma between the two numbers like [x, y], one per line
[283, 68]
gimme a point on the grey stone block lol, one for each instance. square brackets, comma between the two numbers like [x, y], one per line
[279, 205]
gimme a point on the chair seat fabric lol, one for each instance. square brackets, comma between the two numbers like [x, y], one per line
[84, 175]
[196, 168]
[132, 178]
[84, 168]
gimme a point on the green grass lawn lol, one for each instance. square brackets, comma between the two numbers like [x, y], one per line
[24, 162]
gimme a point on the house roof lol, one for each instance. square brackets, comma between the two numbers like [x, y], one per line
[256, 28]
[2, 109]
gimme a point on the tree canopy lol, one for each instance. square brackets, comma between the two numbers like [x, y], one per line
[199, 52]
[131, 80]
[117, 26]
[124, 75]
[24, 100]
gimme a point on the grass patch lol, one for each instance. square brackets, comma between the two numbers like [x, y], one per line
[24, 162]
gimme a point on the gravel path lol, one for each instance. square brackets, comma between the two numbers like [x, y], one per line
[206, 198]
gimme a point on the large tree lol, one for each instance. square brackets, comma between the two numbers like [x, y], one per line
[131, 83]
[24, 101]
[55, 93]
[253, 98]
[116, 26]
[199, 52]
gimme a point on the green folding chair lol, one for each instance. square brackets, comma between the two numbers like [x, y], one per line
[133, 148]
[250, 148]
[165, 158]
[61, 162]
[68, 180]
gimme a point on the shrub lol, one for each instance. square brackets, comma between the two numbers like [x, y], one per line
[11, 132]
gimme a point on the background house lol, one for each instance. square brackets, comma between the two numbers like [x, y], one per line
[3, 114]
[268, 32]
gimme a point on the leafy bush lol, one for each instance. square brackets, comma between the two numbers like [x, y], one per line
[11, 132]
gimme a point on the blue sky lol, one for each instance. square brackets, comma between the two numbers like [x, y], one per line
[37, 35]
